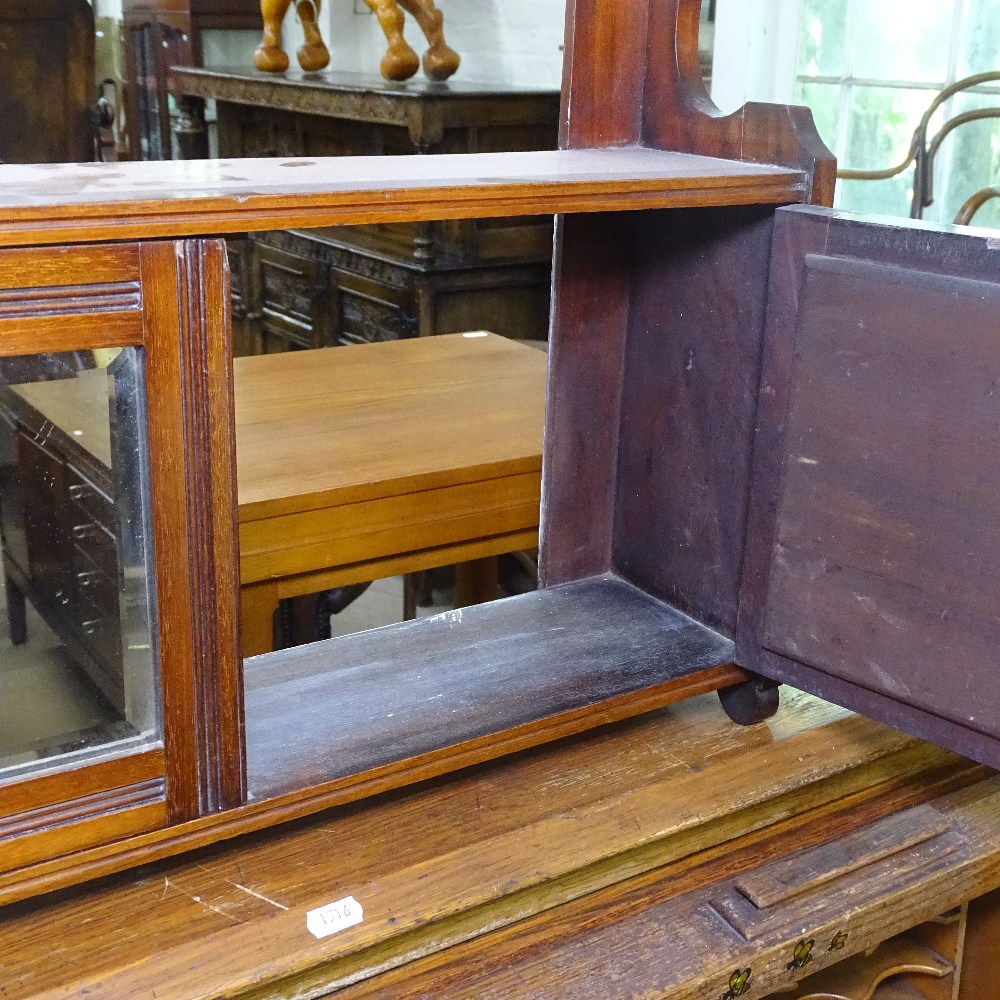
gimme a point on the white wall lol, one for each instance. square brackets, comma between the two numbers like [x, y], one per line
[500, 41]
[756, 45]
[107, 8]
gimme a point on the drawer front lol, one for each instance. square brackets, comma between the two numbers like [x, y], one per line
[292, 297]
[367, 320]
[88, 502]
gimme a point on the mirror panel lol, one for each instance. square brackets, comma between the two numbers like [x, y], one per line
[78, 677]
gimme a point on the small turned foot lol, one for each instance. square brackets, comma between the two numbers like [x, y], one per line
[270, 59]
[440, 62]
[313, 57]
[751, 702]
[400, 62]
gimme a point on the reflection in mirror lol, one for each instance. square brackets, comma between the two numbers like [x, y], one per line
[706, 41]
[77, 664]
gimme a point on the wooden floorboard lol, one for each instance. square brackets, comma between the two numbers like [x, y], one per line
[352, 704]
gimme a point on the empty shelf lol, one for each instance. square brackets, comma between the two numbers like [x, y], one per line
[60, 202]
[396, 696]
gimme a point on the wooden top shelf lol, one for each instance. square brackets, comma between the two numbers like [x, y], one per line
[58, 203]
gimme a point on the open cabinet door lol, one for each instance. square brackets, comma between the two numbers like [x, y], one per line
[872, 572]
[120, 704]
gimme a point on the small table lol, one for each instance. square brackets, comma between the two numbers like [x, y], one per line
[356, 463]
[364, 462]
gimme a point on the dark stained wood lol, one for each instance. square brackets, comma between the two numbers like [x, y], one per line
[670, 285]
[584, 396]
[872, 563]
[603, 79]
[679, 114]
[695, 327]
[46, 81]
[352, 705]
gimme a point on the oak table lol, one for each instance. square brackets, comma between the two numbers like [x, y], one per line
[356, 463]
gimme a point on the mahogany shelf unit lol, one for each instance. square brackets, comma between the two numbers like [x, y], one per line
[718, 429]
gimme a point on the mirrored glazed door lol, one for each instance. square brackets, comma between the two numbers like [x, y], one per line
[110, 688]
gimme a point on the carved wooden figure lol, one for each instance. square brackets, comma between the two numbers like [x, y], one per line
[400, 61]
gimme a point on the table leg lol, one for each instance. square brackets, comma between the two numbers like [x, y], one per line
[258, 603]
[190, 128]
[17, 621]
[476, 582]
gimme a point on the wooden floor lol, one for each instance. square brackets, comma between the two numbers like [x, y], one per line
[356, 703]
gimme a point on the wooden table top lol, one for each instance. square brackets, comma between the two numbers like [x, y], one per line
[451, 860]
[339, 425]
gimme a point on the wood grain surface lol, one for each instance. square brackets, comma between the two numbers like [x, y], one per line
[447, 861]
[870, 566]
[318, 429]
[55, 203]
[379, 698]
[659, 938]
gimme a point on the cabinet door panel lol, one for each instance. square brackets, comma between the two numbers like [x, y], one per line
[113, 570]
[873, 573]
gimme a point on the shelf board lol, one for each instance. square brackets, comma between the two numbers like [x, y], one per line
[58, 203]
[490, 679]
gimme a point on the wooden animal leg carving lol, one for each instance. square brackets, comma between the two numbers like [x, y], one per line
[313, 55]
[400, 62]
[440, 61]
[270, 57]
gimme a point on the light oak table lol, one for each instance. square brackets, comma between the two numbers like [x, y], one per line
[357, 463]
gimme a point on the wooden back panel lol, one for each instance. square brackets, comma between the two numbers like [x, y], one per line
[657, 323]
[46, 81]
[872, 570]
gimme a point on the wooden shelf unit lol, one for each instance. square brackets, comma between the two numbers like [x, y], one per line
[206, 794]
[666, 454]
[179, 198]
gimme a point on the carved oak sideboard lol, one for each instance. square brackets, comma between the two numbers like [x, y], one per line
[343, 285]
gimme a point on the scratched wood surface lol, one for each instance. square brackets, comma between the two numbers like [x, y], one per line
[658, 938]
[445, 861]
[55, 202]
[871, 561]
